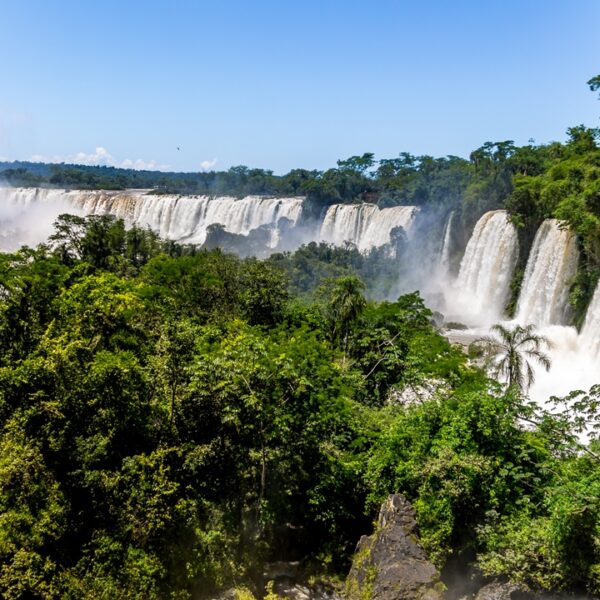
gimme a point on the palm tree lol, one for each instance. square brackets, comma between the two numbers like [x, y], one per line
[346, 303]
[511, 351]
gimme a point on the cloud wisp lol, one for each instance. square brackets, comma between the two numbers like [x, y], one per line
[101, 157]
[208, 165]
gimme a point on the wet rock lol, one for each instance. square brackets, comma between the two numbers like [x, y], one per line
[500, 591]
[316, 591]
[391, 564]
[281, 570]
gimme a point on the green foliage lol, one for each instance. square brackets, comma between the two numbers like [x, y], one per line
[565, 186]
[171, 418]
[510, 353]
[594, 83]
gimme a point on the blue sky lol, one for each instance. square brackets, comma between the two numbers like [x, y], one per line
[282, 84]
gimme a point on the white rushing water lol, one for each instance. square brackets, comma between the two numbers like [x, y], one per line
[365, 225]
[544, 302]
[187, 218]
[446, 243]
[481, 289]
[574, 367]
[476, 297]
[590, 332]
[175, 217]
[550, 268]
[27, 215]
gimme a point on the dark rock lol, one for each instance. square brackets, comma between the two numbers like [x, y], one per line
[391, 564]
[501, 591]
[286, 580]
[307, 591]
[455, 326]
[437, 319]
[281, 570]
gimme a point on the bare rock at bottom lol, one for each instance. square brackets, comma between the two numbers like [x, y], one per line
[391, 564]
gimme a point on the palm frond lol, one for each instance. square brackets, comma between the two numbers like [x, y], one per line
[510, 350]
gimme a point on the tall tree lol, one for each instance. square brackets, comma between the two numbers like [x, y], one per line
[346, 303]
[511, 351]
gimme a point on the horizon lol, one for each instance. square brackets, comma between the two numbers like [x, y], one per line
[281, 87]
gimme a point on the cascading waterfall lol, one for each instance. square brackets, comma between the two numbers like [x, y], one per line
[590, 332]
[365, 225]
[187, 218]
[551, 265]
[346, 223]
[180, 218]
[477, 297]
[446, 243]
[27, 214]
[382, 222]
[486, 269]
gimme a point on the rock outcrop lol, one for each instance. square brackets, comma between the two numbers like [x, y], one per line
[391, 564]
[502, 591]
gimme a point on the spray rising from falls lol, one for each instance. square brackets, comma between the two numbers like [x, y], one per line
[551, 265]
[590, 333]
[365, 225]
[27, 215]
[180, 218]
[446, 243]
[486, 269]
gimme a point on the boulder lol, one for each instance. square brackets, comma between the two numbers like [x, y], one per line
[391, 564]
[307, 591]
[498, 591]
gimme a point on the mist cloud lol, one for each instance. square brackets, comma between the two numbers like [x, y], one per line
[24, 220]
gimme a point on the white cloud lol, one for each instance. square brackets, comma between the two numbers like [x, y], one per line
[142, 165]
[101, 156]
[207, 165]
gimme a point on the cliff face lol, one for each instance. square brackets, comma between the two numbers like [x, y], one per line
[391, 564]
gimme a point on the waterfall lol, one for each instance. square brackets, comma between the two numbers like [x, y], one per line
[27, 214]
[180, 218]
[346, 223]
[382, 222]
[447, 240]
[187, 218]
[590, 332]
[551, 265]
[486, 269]
[365, 225]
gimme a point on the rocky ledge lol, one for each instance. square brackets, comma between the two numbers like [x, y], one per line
[391, 564]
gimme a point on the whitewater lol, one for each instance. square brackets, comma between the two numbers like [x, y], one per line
[478, 295]
[175, 217]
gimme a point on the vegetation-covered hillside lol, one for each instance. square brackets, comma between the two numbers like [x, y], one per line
[170, 420]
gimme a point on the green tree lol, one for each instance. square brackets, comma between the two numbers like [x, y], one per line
[510, 351]
[345, 304]
[594, 83]
[264, 292]
[358, 164]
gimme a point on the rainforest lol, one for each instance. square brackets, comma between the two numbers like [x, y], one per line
[208, 379]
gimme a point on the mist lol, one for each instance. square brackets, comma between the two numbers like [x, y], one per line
[27, 216]
[409, 250]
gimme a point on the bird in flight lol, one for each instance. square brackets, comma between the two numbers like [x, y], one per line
[178, 148]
